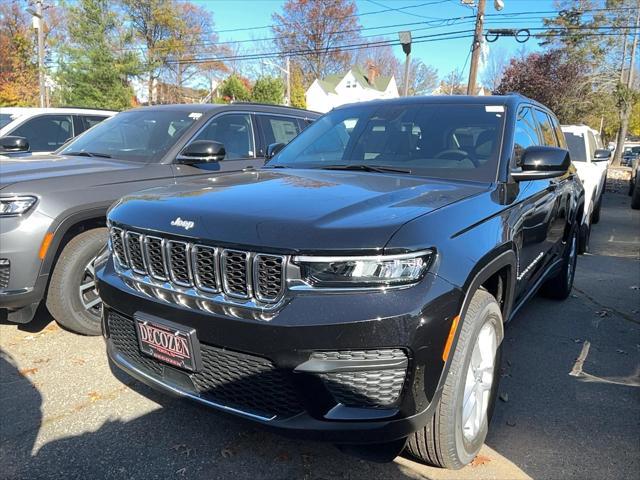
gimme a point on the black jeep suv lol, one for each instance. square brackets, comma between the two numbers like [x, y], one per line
[355, 288]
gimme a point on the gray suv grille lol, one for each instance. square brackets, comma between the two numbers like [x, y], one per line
[237, 274]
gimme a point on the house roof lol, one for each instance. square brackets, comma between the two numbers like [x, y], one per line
[330, 82]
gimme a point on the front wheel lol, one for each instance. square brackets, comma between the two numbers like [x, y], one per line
[457, 430]
[73, 298]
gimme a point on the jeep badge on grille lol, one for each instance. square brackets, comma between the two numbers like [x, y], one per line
[186, 224]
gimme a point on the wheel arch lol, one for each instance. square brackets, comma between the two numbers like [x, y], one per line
[71, 225]
[496, 273]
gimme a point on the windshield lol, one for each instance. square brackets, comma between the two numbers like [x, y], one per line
[139, 136]
[577, 149]
[450, 141]
[5, 119]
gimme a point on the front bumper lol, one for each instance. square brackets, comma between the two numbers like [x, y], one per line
[22, 283]
[297, 395]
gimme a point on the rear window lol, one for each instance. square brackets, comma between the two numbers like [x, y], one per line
[576, 145]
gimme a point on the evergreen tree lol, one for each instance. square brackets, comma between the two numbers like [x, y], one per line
[268, 90]
[298, 92]
[94, 68]
[235, 88]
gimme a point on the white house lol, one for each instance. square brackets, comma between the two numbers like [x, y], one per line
[357, 85]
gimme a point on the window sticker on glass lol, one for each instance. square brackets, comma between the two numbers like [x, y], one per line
[195, 115]
[494, 108]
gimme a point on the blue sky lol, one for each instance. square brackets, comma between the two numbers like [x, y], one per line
[444, 55]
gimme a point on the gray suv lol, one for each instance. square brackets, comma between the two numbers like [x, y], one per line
[52, 208]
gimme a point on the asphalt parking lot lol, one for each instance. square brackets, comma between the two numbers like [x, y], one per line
[569, 398]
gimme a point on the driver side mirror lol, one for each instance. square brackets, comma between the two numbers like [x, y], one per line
[202, 151]
[13, 143]
[601, 155]
[542, 162]
[273, 149]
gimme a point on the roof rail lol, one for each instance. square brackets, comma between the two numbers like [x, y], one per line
[239, 102]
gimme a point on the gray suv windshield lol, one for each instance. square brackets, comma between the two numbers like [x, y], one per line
[140, 136]
[444, 141]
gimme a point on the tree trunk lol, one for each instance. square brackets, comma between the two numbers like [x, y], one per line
[150, 89]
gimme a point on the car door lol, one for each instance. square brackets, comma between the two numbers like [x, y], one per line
[236, 131]
[46, 133]
[275, 128]
[538, 207]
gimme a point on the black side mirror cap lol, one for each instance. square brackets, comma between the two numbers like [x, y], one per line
[202, 151]
[273, 149]
[12, 143]
[602, 155]
[542, 162]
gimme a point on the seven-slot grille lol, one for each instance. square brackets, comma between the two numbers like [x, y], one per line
[236, 273]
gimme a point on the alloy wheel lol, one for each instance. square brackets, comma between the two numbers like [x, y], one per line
[88, 291]
[478, 383]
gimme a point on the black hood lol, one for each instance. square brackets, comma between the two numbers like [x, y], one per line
[292, 210]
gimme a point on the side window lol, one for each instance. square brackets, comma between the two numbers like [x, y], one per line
[47, 132]
[525, 134]
[562, 142]
[277, 129]
[234, 131]
[91, 120]
[546, 129]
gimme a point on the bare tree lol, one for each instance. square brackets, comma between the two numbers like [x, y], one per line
[316, 29]
[422, 78]
[494, 68]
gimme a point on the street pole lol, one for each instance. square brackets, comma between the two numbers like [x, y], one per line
[406, 75]
[288, 72]
[475, 48]
[405, 41]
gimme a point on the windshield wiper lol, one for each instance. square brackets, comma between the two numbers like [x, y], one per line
[88, 154]
[366, 168]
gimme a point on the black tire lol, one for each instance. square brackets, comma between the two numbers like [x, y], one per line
[635, 197]
[64, 299]
[559, 286]
[585, 236]
[442, 442]
[595, 216]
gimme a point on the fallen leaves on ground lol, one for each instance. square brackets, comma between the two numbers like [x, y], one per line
[480, 460]
[28, 371]
[227, 452]
[511, 423]
[94, 396]
[283, 457]
[181, 471]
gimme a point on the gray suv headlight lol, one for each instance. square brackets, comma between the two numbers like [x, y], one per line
[10, 206]
[364, 271]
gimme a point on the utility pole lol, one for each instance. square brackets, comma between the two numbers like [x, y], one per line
[405, 41]
[625, 111]
[38, 23]
[287, 72]
[475, 48]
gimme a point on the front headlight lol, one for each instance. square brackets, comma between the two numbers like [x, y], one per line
[16, 205]
[364, 272]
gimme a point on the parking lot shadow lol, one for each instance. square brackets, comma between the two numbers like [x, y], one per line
[40, 321]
